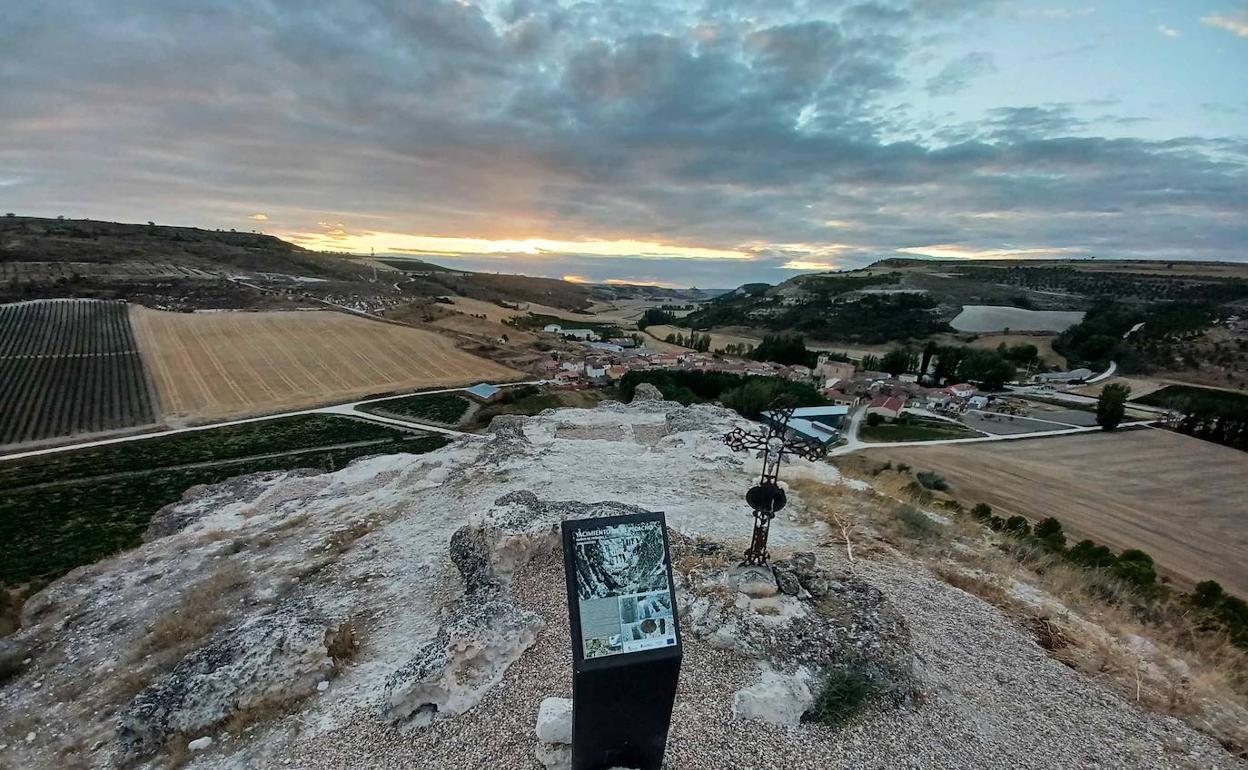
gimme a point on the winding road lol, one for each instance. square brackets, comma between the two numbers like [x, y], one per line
[349, 409]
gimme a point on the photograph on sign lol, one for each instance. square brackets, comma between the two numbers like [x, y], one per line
[622, 589]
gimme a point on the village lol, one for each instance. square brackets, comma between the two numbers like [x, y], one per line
[907, 405]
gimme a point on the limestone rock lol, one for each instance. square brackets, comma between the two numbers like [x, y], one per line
[272, 659]
[647, 392]
[755, 582]
[199, 744]
[690, 418]
[802, 568]
[780, 699]
[554, 720]
[787, 582]
[12, 658]
[481, 635]
[554, 756]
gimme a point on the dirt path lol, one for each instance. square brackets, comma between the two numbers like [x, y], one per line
[1179, 499]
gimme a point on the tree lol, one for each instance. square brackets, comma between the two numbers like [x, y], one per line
[1112, 405]
[874, 419]
[987, 368]
[899, 361]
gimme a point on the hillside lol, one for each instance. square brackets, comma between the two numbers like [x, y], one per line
[1091, 311]
[39, 240]
[410, 611]
[184, 268]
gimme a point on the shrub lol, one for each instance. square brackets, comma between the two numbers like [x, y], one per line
[1018, 526]
[904, 468]
[844, 692]
[997, 523]
[1050, 533]
[874, 419]
[982, 511]
[1208, 593]
[918, 524]
[1089, 554]
[933, 480]
[1136, 567]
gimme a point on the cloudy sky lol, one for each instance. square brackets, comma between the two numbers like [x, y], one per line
[699, 143]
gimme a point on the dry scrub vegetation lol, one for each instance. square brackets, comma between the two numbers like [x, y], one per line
[1156, 653]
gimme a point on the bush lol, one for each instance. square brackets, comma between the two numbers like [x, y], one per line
[918, 524]
[1018, 526]
[932, 480]
[1050, 533]
[997, 523]
[845, 691]
[982, 511]
[1136, 567]
[1208, 594]
[1091, 555]
[903, 467]
[874, 419]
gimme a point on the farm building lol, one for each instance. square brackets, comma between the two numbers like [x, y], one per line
[1074, 375]
[579, 334]
[818, 423]
[961, 390]
[888, 407]
[484, 391]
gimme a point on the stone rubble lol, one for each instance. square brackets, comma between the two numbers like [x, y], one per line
[447, 569]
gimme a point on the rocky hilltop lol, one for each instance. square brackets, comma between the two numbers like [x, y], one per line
[410, 611]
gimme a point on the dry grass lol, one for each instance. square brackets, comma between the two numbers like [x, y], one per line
[199, 610]
[215, 365]
[1155, 654]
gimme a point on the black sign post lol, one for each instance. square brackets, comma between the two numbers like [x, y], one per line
[626, 645]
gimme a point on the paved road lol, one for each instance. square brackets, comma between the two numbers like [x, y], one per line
[850, 448]
[1113, 367]
[348, 409]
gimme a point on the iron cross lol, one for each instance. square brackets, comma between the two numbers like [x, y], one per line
[767, 497]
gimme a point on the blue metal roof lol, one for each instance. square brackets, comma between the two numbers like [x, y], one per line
[483, 390]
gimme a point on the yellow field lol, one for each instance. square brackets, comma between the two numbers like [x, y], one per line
[229, 364]
[1178, 498]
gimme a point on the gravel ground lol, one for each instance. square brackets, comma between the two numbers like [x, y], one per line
[994, 699]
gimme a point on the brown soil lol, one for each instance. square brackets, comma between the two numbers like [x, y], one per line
[1178, 498]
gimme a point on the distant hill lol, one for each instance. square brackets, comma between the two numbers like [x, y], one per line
[900, 299]
[35, 239]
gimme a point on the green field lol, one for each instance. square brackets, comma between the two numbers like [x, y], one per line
[539, 320]
[1186, 397]
[64, 510]
[444, 408]
[910, 428]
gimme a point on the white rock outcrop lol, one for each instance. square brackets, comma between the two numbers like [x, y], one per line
[778, 698]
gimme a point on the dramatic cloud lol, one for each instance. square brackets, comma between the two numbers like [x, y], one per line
[707, 142]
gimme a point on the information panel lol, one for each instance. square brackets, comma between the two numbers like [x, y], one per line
[622, 588]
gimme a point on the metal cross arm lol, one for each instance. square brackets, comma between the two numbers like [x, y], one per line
[768, 497]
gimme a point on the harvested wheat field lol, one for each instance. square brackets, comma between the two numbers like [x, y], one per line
[229, 364]
[1180, 499]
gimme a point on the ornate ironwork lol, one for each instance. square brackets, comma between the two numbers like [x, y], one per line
[774, 445]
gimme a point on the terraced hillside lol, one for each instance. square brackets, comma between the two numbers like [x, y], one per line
[70, 367]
